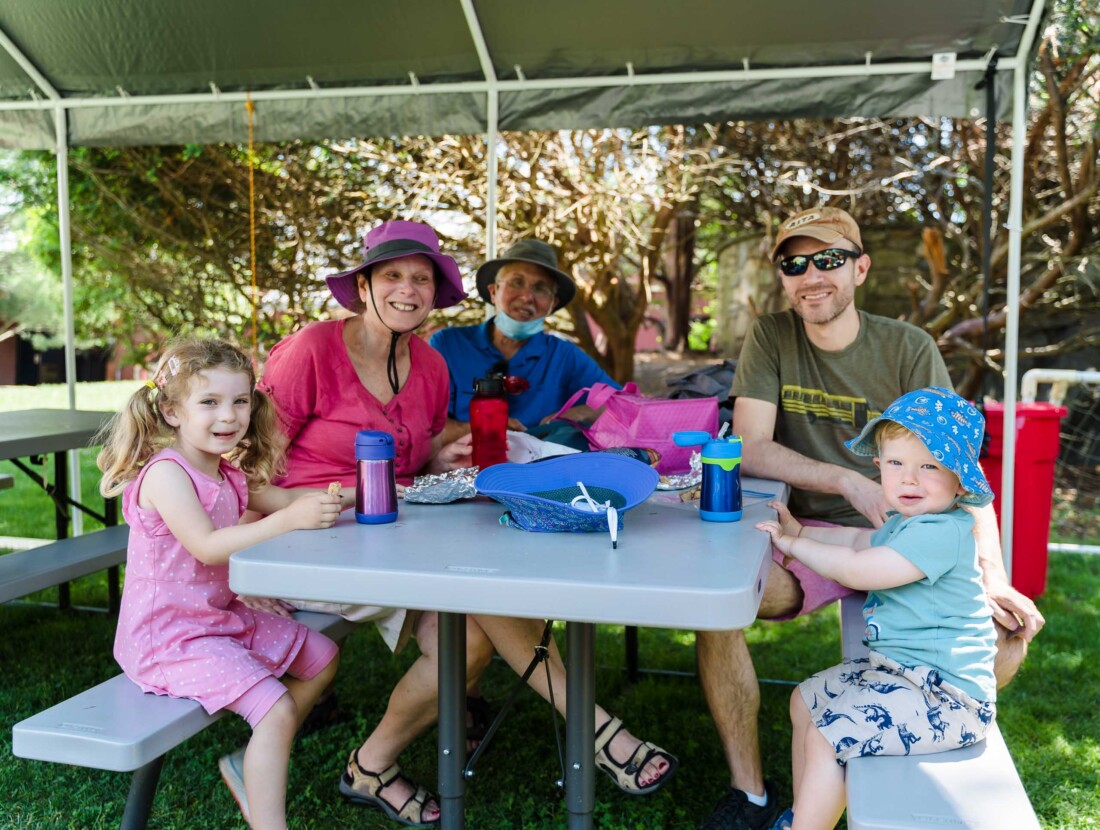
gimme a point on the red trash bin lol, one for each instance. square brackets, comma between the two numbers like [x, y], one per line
[1037, 441]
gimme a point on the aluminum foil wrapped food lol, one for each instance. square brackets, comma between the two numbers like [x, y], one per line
[684, 480]
[443, 488]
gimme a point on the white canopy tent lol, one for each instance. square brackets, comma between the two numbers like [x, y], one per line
[123, 72]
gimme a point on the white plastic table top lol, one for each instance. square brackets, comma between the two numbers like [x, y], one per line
[40, 431]
[670, 570]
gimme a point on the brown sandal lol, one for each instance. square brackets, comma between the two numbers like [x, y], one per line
[361, 786]
[625, 775]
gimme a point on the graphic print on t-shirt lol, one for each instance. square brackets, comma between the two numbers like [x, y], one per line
[818, 405]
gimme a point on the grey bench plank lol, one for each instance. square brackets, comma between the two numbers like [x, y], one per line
[6, 481]
[27, 571]
[115, 726]
[976, 787]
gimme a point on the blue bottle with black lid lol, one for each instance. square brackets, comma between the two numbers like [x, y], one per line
[721, 492]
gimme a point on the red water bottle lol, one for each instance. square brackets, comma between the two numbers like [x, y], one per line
[489, 422]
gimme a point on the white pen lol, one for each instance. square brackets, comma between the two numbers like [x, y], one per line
[613, 526]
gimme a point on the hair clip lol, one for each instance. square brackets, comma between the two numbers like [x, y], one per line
[150, 384]
[168, 371]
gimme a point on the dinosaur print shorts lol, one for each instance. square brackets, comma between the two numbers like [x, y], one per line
[875, 706]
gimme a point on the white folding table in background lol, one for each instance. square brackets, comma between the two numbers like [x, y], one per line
[40, 432]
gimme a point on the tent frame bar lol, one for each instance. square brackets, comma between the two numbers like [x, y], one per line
[27, 66]
[485, 86]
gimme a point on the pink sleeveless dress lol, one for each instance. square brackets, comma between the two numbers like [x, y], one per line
[181, 630]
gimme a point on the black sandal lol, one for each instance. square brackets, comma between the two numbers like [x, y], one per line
[625, 775]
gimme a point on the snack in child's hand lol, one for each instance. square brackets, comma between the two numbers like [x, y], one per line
[334, 488]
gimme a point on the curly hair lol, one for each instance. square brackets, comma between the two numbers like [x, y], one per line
[139, 430]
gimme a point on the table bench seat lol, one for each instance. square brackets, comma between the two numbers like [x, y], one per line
[974, 787]
[115, 726]
[27, 571]
[6, 481]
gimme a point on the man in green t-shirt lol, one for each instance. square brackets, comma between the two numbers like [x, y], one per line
[808, 379]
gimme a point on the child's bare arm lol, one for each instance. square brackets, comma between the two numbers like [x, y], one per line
[167, 489]
[852, 536]
[270, 499]
[865, 569]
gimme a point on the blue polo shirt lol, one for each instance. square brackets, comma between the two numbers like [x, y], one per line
[555, 368]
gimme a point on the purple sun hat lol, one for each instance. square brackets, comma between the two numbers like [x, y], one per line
[950, 426]
[392, 240]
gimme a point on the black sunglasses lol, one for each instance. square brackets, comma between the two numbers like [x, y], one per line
[828, 260]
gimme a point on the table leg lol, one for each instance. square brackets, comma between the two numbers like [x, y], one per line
[114, 596]
[452, 720]
[632, 671]
[580, 724]
[61, 517]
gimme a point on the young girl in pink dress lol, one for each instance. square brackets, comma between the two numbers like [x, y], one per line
[189, 452]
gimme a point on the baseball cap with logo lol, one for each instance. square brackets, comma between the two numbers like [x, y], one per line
[826, 224]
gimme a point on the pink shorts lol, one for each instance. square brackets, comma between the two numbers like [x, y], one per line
[817, 591]
[316, 652]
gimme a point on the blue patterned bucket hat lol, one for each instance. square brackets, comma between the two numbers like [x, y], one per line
[544, 496]
[950, 426]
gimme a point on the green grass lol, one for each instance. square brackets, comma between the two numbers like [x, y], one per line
[105, 396]
[1048, 715]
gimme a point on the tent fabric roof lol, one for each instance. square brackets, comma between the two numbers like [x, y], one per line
[344, 68]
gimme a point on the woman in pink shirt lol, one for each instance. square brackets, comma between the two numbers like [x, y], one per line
[370, 371]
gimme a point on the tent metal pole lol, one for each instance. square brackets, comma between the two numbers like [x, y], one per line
[1012, 308]
[1012, 315]
[492, 137]
[1020, 72]
[492, 125]
[61, 122]
[64, 227]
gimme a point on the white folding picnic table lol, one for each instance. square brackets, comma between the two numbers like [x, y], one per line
[670, 570]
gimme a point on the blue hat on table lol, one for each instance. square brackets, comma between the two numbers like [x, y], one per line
[543, 496]
[950, 426]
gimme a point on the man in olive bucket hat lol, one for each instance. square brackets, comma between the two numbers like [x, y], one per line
[525, 286]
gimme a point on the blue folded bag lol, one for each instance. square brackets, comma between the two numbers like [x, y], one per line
[545, 496]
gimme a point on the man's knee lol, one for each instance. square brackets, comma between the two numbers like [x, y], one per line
[782, 595]
[479, 649]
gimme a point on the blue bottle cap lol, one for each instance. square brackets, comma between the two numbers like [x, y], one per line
[728, 447]
[373, 444]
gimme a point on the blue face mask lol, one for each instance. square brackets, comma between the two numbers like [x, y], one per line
[516, 330]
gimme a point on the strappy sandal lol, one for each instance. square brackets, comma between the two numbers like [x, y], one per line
[625, 775]
[360, 786]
